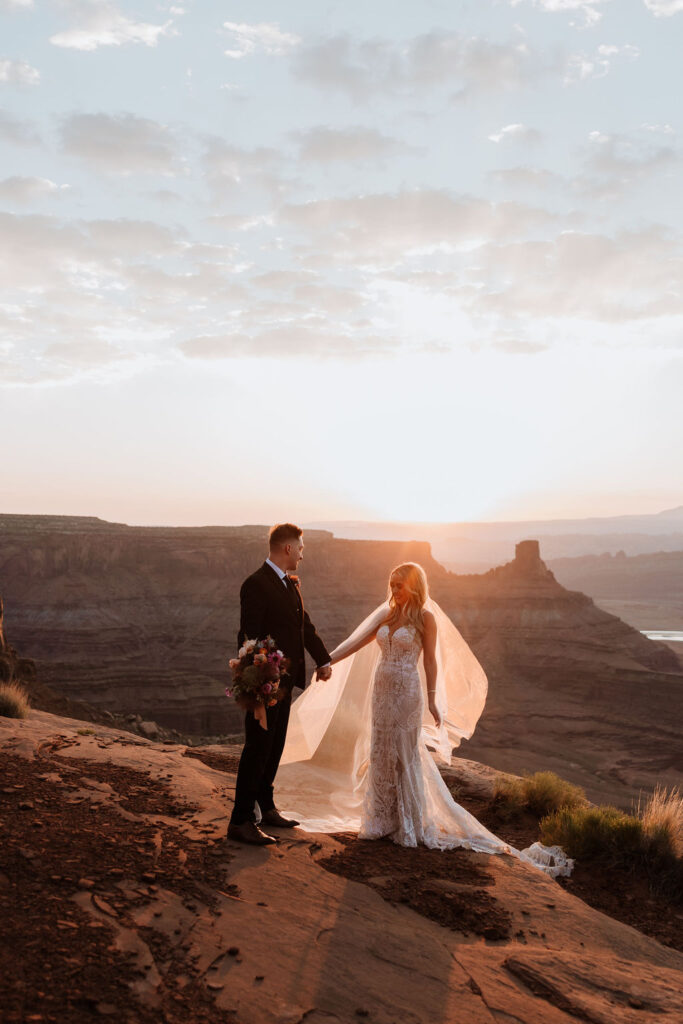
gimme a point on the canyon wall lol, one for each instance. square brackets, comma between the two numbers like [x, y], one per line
[144, 619]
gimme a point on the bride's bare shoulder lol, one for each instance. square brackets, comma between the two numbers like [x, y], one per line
[428, 618]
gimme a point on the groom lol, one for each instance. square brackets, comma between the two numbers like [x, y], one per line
[271, 605]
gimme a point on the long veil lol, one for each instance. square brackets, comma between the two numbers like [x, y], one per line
[324, 764]
[324, 767]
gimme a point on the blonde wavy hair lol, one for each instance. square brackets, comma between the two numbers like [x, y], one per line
[414, 579]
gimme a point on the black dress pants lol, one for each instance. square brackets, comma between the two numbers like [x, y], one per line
[259, 762]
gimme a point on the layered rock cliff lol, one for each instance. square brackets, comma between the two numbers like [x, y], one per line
[571, 687]
[143, 620]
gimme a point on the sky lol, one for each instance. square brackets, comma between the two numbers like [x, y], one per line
[317, 261]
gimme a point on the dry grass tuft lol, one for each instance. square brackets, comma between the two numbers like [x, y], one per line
[662, 815]
[540, 793]
[14, 702]
[608, 836]
[594, 833]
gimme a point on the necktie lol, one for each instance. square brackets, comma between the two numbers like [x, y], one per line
[291, 588]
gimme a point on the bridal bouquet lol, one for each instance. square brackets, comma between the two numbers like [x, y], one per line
[256, 674]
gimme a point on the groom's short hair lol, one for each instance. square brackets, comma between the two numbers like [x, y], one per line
[283, 533]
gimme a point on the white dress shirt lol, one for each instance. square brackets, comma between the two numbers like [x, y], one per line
[276, 568]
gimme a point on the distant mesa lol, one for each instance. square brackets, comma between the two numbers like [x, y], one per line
[527, 564]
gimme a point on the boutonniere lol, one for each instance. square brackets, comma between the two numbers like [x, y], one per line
[294, 579]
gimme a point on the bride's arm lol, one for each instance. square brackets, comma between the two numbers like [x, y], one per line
[429, 655]
[346, 649]
[360, 637]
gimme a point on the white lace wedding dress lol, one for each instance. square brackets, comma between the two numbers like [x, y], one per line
[357, 757]
[406, 799]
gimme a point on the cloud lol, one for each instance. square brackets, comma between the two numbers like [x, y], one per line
[25, 190]
[518, 346]
[287, 341]
[82, 354]
[327, 145]
[659, 129]
[664, 8]
[131, 239]
[516, 133]
[526, 177]
[102, 24]
[328, 300]
[121, 144]
[580, 285]
[265, 37]
[578, 275]
[18, 72]
[587, 8]
[134, 284]
[218, 346]
[467, 63]
[615, 161]
[580, 67]
[279, 280]
[15, 5]
[230, 170]
[242, 222]
[164, 195]
[21, 133]
[42, 256]
[408, 224]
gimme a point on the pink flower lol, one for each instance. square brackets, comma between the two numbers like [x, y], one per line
[234, 662]
[266, 688]
[228, 693]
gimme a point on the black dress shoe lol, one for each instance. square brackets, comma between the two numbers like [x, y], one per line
[275, 819]
[249, 832]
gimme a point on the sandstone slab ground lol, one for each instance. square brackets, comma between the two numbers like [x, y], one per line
[121, 898]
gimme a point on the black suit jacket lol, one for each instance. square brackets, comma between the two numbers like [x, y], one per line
[269, 608]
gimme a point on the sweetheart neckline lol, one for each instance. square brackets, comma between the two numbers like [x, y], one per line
[392, 635]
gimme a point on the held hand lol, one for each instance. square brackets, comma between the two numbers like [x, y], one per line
[435, 713]
[324, 673]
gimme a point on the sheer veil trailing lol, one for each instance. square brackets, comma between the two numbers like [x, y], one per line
[322, 776]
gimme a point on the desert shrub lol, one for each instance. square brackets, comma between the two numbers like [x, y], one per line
[14, 702]
[540, 793]
[594, 833]
[662, 817]
[619, 840]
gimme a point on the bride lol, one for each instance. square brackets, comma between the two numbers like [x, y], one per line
[356, 756]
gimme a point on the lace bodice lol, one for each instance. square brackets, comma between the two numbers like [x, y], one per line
[401, 648]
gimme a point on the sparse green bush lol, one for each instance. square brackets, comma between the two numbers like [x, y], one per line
[615, 839]
[594, 833]
[540, 793]
[85, 732]
[14, 702]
